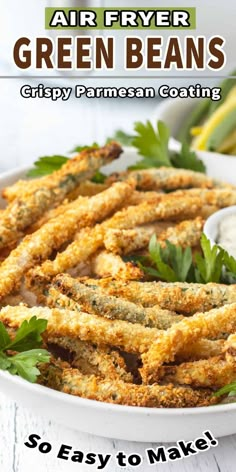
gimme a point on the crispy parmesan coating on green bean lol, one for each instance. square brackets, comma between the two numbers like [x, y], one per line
[181, 297]
[87, 241]
[170, 342]
[25, 210]
[166, 178]
[126, 241]
[148, 212]
[213, 372]
[140, 197]
[218, 197]
[130, 337]
[90, 359]
[84, 189]
[201, 349]
[93, 301]
[105, 264]
[39, 245]
[71, 381]
[186, 233]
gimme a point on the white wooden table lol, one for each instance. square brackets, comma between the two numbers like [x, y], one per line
[30, 128]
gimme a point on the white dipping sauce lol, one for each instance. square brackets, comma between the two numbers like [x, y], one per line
[227, 234]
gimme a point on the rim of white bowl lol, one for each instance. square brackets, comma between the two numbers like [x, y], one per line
[74, 400]
[214, 220]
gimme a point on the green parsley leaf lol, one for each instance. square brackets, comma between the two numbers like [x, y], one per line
[209, 267]
[5, 362]
[28, 335]
[99, 178]
[25, 363]
[122, 138]
[26, 343]
[84, 147]
[230, 389]
[172, 263]
[187, 159]
[152, 144]
[229, 262]
[4, 337]
[46, 165]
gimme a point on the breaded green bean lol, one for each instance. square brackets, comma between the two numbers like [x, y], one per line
[167, 178]
[214, 372]
[130, 337]
[39, 245]
[79, 250]
[29, 207]
[189, 330]
[90, 359]
[93, 301]
[222, 197]
[71, 381]
[181, 297]
[87, 241]
[84, 189]
[140, 197]
[126, 241]
[107, 264]
[201, 349]
[148, 212]
[186, 233]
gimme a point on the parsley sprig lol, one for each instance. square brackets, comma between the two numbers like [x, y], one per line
[151, 142]
[187, 159]
[174, 264]
[27, 343]
[209, 265]
[229, 389]
[46, 165]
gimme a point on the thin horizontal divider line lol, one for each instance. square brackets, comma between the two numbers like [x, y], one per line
[116, 77]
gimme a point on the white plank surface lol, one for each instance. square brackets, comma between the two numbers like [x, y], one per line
[37, 127]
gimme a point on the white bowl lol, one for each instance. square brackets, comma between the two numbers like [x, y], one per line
[173, 112]
[116, 421]
[211, 227]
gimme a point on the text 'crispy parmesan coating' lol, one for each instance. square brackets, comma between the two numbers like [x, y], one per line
[98, 330]
[39, 245]
[183, 297]
[52, 190]
[71, 381]
[170, 342]
[93, 301]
